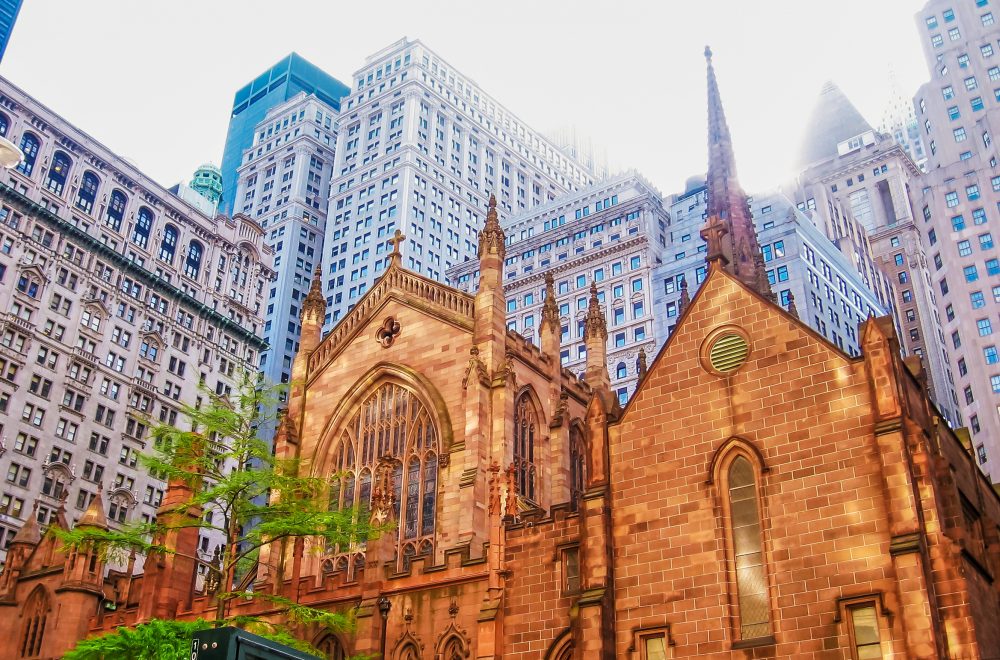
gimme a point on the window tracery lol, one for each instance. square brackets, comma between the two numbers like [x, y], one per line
[525, 432]
[392, 422]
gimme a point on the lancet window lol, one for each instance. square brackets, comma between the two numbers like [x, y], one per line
[525, 432]
[752, 603]
[393, 422]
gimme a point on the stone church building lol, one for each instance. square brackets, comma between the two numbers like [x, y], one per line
[762, 495]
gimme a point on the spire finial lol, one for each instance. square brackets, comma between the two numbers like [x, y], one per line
[550, 309]
[314, 301]
[492, 235]
[595, 322]
[730, 231]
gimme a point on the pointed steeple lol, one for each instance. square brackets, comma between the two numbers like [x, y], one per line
[30, 533]
[728, 209]
[94, 516]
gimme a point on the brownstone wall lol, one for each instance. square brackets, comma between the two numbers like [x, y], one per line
[536, 608]
[805, 408]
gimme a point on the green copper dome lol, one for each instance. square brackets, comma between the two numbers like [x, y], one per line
[207, 182]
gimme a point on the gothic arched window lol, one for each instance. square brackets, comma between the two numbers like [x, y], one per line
[577, 466]
[747, 563]
[36, 611]
[525, 430]
[393, 421]
[56, 180]
[409, 652]
[88, 192]
[116, 210]
[169, 244]
[143, 225]
[29, 147]
[332, 648]
[454, 650]
[192, 264]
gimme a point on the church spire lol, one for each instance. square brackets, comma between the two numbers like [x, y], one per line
[728, 211]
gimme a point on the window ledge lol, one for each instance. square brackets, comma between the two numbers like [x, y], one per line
[754, 643]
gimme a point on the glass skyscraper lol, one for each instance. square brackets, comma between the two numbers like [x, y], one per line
[8, 15]
[281, 82]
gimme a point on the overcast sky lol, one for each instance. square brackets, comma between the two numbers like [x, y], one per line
[154, 80]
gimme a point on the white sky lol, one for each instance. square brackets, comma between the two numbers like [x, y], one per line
[154, 79]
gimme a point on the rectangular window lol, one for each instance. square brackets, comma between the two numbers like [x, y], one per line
[985, 327]
[864, 631]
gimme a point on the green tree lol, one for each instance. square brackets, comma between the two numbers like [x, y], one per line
[248, 496]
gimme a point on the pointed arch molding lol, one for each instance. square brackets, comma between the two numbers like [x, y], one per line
[381, 373]
[529, 391]
[561, 647]
[739, 445]
[451, 633]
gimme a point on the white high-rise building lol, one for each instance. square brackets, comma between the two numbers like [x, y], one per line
[283, 183]
[611, 234]
[420, 149]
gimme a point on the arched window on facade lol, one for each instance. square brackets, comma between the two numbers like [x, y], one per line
[143, 225]
[454, 650]
[393, 421]
[56, 180]
[168, 246]
[577, 466]
[192, 263]
[29, 147]
[525, 432]
[116, 210]
[36, 611]
[87, 193]
[620, 371]
[4, 124]
[409, 652]
[332, 648]
[747, 562]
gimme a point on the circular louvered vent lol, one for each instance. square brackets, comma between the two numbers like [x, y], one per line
[728, 353]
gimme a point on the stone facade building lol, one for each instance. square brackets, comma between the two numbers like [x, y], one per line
[119, 299]
[956, 204]
[858, 188]
[763, 494]
[612, 233]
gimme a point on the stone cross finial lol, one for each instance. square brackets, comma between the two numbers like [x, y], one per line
[712, 234]
[395, 241]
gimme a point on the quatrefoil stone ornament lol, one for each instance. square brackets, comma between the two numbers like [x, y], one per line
[388, 332]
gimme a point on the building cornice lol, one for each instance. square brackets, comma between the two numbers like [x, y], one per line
[28, 207]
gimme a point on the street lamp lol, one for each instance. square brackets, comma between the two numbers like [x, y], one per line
[384, 605]
[10, 155]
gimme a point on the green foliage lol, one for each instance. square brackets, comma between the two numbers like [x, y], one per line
[156, 640]
[254, 497]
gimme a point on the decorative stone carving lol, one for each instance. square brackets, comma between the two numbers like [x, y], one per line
[388, 332]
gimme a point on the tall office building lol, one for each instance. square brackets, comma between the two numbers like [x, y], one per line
[610, 234]
[800, 261]
[9, 9]
[119, 300]
[900, 122]
[284, 184]
[857, 189]
[959, 111]
[420, 149]
[281, 82]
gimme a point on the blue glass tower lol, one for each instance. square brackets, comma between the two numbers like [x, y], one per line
[8, 14]
[291, 75]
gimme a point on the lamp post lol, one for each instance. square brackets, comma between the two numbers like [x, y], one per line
[10, 155]
[384, 605]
